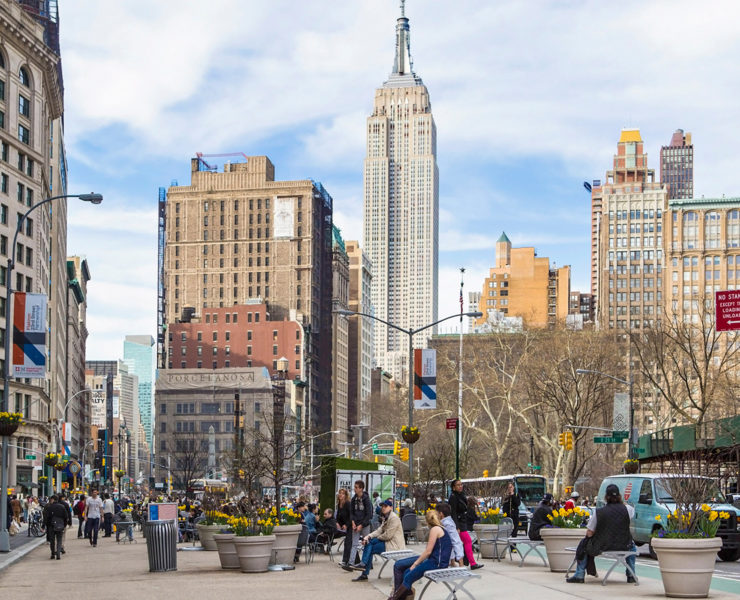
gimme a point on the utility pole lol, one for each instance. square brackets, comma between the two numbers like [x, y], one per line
[531, 454]
[458, 434]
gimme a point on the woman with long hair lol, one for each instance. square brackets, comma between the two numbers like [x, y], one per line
[343, 523]
[459, 507]
[436, 555]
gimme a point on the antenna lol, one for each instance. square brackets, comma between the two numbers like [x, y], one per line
[403, 8]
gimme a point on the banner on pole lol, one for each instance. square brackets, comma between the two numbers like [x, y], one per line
[621, 420]
[425, 379]
[29, 335]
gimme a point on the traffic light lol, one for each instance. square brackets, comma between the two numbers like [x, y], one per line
[568, 440]
[404, 453]
[485, 473]
[396, 447]
[561, 439]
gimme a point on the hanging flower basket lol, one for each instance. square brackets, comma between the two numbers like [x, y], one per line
[60, 466]
[9, 423]
[51, 459]
[410, 435]
[631, 465]
[119, 473]
[43, 479]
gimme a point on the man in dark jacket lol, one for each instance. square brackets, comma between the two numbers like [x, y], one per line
[608, 529]
[360, 514]
[539, 518]
[57, 519]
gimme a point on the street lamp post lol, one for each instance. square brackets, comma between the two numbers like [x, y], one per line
[410, 333]
[629, 383]
[5, 400]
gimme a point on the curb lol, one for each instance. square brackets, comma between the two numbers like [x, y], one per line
[16, 555]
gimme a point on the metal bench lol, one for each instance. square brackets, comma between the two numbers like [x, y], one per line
[454, 579]
[619, 557]
[393, 555]
[531, 545]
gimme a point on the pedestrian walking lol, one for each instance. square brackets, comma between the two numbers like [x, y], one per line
[93, 513]
[56, 520]
[79, 512]
[109, 508]
[459, 506]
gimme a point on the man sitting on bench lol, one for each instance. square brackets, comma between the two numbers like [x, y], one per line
[608, 529]
[539, 518]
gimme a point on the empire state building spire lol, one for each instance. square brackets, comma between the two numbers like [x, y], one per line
[402, 65]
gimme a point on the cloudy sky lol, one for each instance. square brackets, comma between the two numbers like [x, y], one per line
[528, 96]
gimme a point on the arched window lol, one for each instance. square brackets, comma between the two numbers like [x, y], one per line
[2, 61]
[690, 230]
[711, 230]
[733, 228]
[24, 77]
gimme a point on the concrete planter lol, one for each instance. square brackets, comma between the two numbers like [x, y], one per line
[226, 550]
[286, 541]
[206, 533]
[254, 552]
[686, 565]
[487, 531]
[557, 539]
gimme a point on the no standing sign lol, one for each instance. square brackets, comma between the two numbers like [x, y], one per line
[727, 310]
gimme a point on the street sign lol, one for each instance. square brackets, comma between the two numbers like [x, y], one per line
[30, 457]
[375, 447]
[609, 440]
[727, 310]
[622, 434]
[451, 423]
[531, 466]
[383, 451]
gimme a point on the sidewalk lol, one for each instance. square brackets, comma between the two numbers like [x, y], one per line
[20, 545]
[123, 570]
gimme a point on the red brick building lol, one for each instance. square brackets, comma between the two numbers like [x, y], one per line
[235, 336]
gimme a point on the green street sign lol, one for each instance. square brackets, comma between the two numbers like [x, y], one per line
[383, 451]
[622, 434]
[375, 447]
[531, 466]
[30, 457]
[608, 440]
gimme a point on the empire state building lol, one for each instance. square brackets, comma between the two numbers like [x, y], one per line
[401, 208]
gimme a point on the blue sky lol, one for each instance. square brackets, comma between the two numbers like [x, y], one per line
[528, 97]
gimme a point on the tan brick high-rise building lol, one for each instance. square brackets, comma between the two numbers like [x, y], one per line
[340, 340]
[239, 236]
[523, 284]
[627, 239]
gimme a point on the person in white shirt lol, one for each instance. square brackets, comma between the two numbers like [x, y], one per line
[108, 510]
[93, 511]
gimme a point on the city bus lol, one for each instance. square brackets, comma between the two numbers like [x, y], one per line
[492, 491]
[215, 487]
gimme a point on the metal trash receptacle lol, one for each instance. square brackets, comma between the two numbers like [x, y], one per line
[161, 545]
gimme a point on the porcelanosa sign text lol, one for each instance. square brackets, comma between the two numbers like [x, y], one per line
[195, 378]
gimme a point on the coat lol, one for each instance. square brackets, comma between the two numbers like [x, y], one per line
[390, 532]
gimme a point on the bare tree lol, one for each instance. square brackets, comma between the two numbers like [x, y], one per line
[247, 467]
[688, 364]
[189, 459]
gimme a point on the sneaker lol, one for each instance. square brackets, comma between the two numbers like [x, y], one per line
[478, 566]
[358, 567]
[631, 579]
[361, 577]
[574, 579]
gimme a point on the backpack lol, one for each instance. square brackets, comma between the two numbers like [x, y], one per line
[57, 524]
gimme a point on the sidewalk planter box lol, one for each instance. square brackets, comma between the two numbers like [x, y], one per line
[286, 541]
[686, 565]
[254, 552]
[557, 539]
[422, 531]
[205, 534]
[226, 550]
[488, 531]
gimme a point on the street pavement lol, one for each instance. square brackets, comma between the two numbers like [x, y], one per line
[122, 569]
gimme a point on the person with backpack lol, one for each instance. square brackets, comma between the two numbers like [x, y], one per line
[57, 518]
[79, 511]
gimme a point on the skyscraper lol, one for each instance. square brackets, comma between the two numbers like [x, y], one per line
[401, 206]
[628, 215]
[138, 354]
[677, 166]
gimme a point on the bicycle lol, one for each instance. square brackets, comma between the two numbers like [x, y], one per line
[36, 525]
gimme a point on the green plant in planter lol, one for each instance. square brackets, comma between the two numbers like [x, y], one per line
[570, 518]
[288, 516]
[492, 516]
[631, 465]
[702, 523]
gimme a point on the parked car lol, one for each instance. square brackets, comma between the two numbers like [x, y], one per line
[649, 495]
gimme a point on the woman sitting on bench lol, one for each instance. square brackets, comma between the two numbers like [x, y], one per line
[435, 556]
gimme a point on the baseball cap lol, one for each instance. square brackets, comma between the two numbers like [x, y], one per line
[547, 498]
[612, 490]
[388, 502]
[575, 495]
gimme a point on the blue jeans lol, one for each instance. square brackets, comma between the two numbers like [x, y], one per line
[374, 546]
[403, 573]
[581, 565]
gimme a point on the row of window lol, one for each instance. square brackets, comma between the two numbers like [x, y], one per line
[226, 364]
[227, 334]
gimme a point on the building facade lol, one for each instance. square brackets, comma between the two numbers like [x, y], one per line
[629, 252]
[237, 237]
[340, 342]
[677, 166]
[401, 209]
[524, 285]
[138, 354]
[360, 336]
[79, 402]
[33, 167]
[581, 304]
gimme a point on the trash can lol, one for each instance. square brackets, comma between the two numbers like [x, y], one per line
[161, 545]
